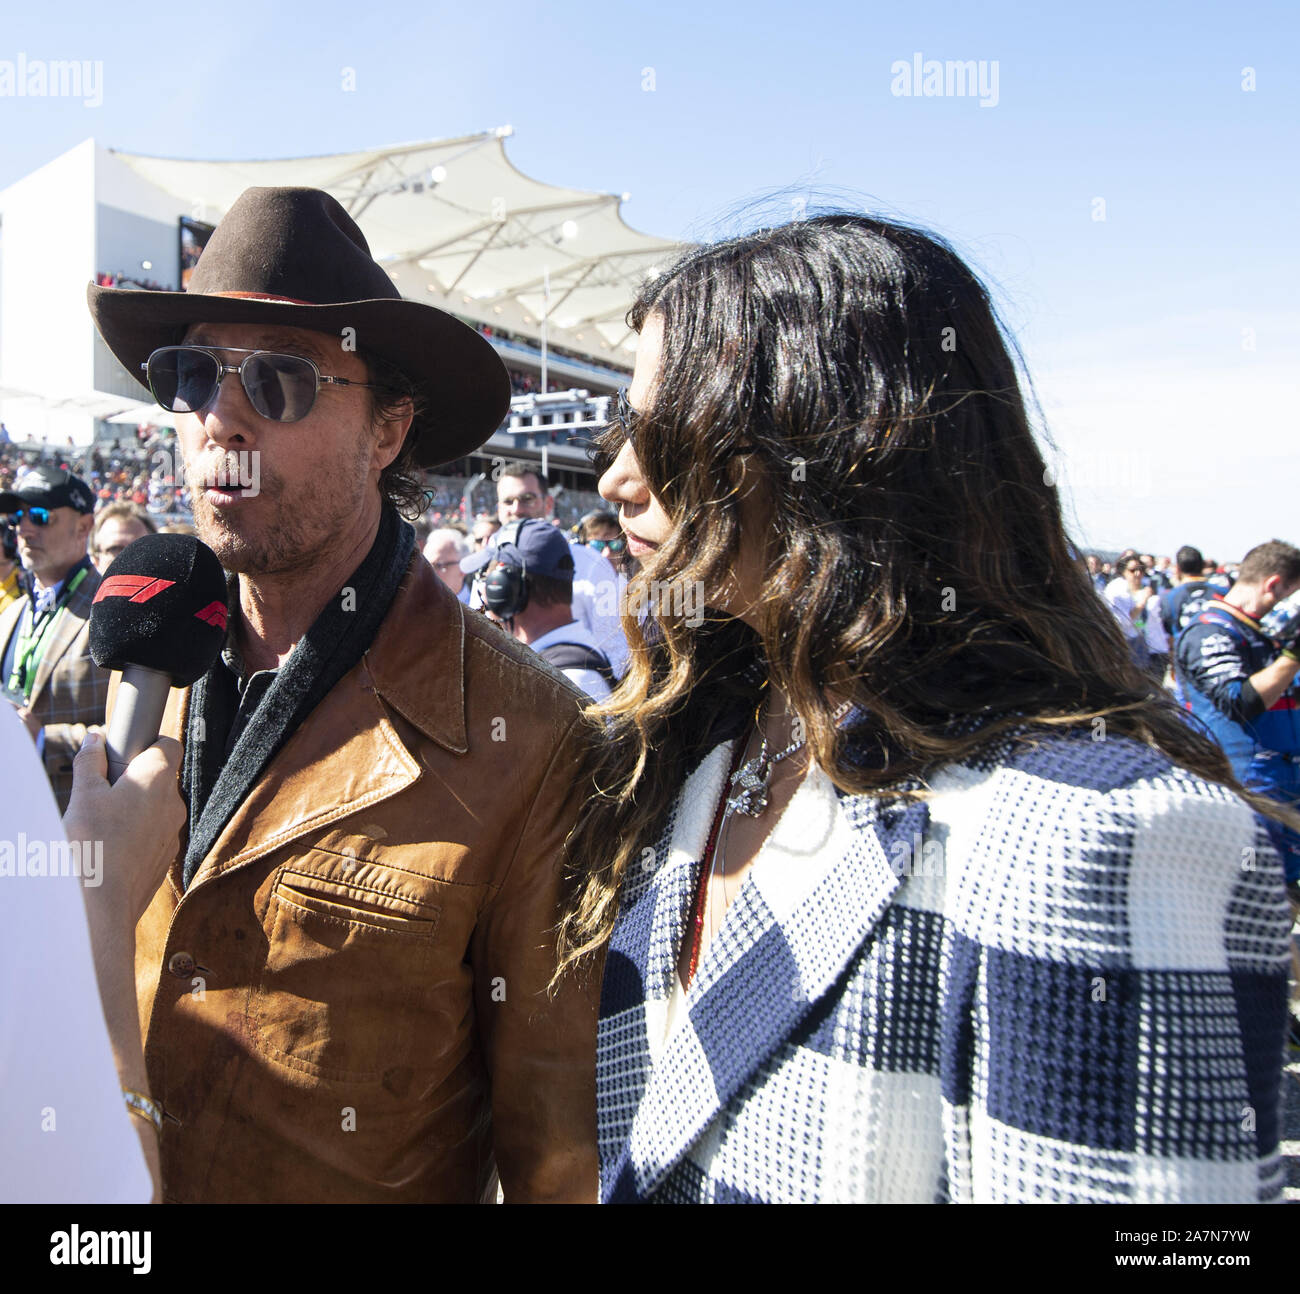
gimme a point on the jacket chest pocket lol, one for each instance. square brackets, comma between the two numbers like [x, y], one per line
[343, 994]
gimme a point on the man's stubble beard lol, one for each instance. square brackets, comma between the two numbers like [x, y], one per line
[292, 534]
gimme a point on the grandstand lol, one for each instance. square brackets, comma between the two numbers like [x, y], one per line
[545, 273]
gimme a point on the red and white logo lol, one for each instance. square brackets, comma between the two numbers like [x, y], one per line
[135, 588]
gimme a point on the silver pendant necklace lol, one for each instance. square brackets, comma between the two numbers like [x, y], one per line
[748, 795]
[750, 782]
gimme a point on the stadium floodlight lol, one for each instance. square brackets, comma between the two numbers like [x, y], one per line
[569, 229]
[437, 174]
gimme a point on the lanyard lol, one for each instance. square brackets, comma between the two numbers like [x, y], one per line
[1244, 617]
[27, 655]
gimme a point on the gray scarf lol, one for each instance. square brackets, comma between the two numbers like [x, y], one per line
[216, 783]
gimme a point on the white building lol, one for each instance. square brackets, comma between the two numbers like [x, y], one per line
[549, 271]
[82, 214]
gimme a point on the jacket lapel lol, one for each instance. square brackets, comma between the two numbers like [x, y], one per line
[346, 744]
[9, 620]
[675, 878]
[814, 895]
[346, 754]
[69, 622]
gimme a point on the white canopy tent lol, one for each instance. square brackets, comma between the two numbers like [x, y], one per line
[150, 415]
[457, 226]
[94, 403]
[32, 418]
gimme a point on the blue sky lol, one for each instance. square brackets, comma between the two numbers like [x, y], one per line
[1163, 340]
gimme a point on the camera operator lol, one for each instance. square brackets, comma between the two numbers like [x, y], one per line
[11, 588]
[527, 584]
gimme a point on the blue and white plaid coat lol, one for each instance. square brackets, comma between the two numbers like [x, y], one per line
[1063, 977]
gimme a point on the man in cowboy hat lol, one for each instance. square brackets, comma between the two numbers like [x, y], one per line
[44, 657]
[344, 978]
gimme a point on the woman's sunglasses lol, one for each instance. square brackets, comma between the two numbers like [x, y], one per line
[603, 448]
[185, 379]
[39, 516]
[613, 545]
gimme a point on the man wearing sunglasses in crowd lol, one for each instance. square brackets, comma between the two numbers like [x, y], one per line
[344, 976]
[47, 671]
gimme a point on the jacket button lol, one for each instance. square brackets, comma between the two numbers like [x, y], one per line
[181, 965]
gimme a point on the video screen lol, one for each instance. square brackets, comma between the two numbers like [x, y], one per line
[194, 238]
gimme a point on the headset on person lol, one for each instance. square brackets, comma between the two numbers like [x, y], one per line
[505, 585]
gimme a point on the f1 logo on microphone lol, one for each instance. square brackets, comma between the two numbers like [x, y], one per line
[214, 614]
[136, 588]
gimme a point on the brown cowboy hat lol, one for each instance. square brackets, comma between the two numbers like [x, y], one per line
[295, 258]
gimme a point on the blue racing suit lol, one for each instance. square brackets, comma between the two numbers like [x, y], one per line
[1215, 656]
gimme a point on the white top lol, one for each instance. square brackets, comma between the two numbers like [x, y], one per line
[1121, 601]
[65, 1130]
[597, 593]
[1157, 639]
[587, 679]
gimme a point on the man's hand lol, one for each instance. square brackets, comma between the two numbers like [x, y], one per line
[30, 721]
[138, 819]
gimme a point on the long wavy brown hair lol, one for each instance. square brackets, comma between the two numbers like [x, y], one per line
[854, 371]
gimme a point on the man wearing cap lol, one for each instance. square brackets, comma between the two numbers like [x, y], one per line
[47, 670]
[522, 491]
[529, 587]
[344, 978]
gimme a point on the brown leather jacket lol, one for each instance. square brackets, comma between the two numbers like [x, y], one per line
[348, 1004]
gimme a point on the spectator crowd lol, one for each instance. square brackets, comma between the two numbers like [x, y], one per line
[839, 892]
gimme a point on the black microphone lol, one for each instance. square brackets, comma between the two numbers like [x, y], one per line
[159, 616]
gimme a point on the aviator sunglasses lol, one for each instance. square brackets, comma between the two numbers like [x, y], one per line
[283, 388]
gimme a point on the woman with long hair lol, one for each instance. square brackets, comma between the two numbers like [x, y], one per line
[910, 886]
